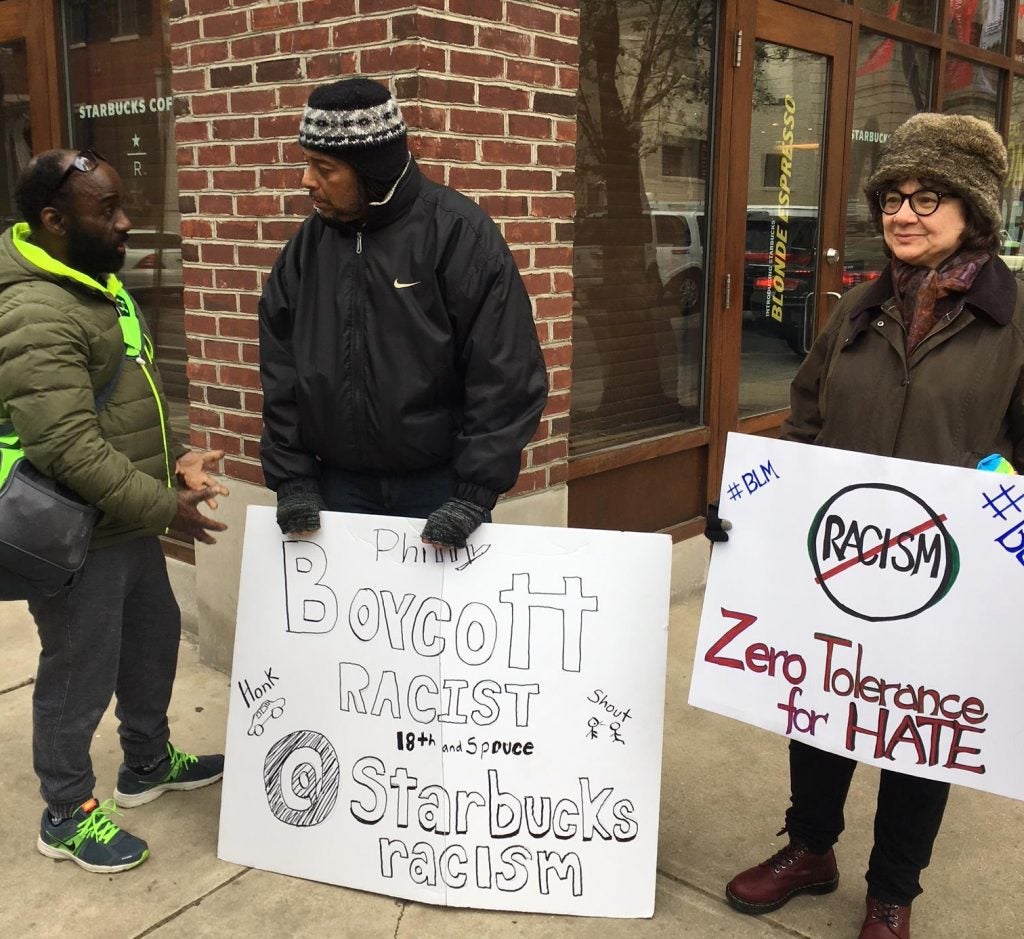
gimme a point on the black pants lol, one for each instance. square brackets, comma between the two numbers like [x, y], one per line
[907, 818]
[116, 631]
[412, 495]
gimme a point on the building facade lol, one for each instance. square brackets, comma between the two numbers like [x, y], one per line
[679, 180]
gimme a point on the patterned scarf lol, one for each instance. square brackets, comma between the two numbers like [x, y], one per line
[918, 288]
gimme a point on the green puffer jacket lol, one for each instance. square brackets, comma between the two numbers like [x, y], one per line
[60, 344]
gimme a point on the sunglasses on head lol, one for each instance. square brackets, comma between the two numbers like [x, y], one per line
[85, 161]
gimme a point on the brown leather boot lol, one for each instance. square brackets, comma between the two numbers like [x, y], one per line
[772, 883]
[885, 921]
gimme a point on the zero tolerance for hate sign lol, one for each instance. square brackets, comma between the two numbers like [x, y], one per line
[870, 607]
[478, 727]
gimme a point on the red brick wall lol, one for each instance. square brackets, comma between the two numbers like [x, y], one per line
[488, 88]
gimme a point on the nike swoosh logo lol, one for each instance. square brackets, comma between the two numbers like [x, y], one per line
[399, 285]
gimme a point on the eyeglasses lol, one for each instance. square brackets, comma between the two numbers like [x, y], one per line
[922, 202]
[85, 161]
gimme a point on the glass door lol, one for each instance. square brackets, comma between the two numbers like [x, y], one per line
[15, 123]
[785, 206]
[29, 116]
[782, 226]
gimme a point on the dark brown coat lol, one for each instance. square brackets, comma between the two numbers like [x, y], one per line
[958, 398]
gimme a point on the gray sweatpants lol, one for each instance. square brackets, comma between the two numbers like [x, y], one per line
[116, 631]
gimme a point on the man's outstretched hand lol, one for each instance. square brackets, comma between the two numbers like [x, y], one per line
[190, 521]
[193, 469]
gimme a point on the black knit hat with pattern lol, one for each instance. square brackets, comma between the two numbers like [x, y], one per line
[357, 120]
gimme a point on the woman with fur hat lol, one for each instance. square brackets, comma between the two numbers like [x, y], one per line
[924, 363]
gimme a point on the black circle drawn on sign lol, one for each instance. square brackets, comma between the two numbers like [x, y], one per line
[951, 553]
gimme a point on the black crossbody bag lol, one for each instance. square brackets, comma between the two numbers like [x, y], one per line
[45, 528]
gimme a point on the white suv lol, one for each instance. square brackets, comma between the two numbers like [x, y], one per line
[678, 239]
[673, 257]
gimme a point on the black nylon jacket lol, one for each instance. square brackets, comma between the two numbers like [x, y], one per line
[400, 344]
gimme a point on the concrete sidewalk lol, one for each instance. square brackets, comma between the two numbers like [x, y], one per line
[723, 796]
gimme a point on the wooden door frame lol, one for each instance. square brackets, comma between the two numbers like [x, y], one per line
[692, 457]
[802, 28]
[35, 21]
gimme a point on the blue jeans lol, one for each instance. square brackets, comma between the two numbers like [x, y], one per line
[408, 495]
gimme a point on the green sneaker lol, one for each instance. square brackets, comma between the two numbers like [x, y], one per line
[91, 840]
[177, 770]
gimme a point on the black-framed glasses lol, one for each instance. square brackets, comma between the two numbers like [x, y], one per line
[922, 201]
[85, 161]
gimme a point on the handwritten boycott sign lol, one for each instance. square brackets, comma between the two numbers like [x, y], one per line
[477, 727]
[870, 607]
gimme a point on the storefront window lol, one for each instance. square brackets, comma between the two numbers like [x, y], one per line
[1013, 199]
[95, 20]
[15, 130]
[787, 134]
[1018, 45]
[969, 88]
[893, 82]
[118, 98]
[981, 23]
[923, 13]
[640, 252]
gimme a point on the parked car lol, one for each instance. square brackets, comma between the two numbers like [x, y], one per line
[1010, 252]
[792, 315]
[671, 263]
[152, 262]
[770, 257]
[679, 238]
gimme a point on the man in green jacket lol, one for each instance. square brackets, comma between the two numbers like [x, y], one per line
[68, 333]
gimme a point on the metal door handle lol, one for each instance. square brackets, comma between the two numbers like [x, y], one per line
[832, 293]
[832, 255]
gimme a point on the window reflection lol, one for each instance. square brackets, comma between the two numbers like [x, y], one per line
[893, 82]
[1013, 195]
[981, 23]
[1018, 42]
[95, 20]
[15, 129]
[969, 88]
[118, 85]
[922, 13]
[781, 252]
[639, 258]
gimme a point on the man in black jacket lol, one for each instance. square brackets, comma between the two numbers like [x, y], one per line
[399, 358]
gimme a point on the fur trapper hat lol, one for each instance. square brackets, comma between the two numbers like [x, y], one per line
[955, 150]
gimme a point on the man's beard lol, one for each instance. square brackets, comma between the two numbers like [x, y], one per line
[91, 256]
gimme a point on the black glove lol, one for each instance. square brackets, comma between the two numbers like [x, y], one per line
[451, 524]
[716, 529]
[299, 504]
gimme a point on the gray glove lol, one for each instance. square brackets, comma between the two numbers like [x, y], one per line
[299, 504]
[452, 523]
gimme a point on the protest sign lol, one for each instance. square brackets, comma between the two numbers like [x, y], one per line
[473, 727]
[870, 607]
